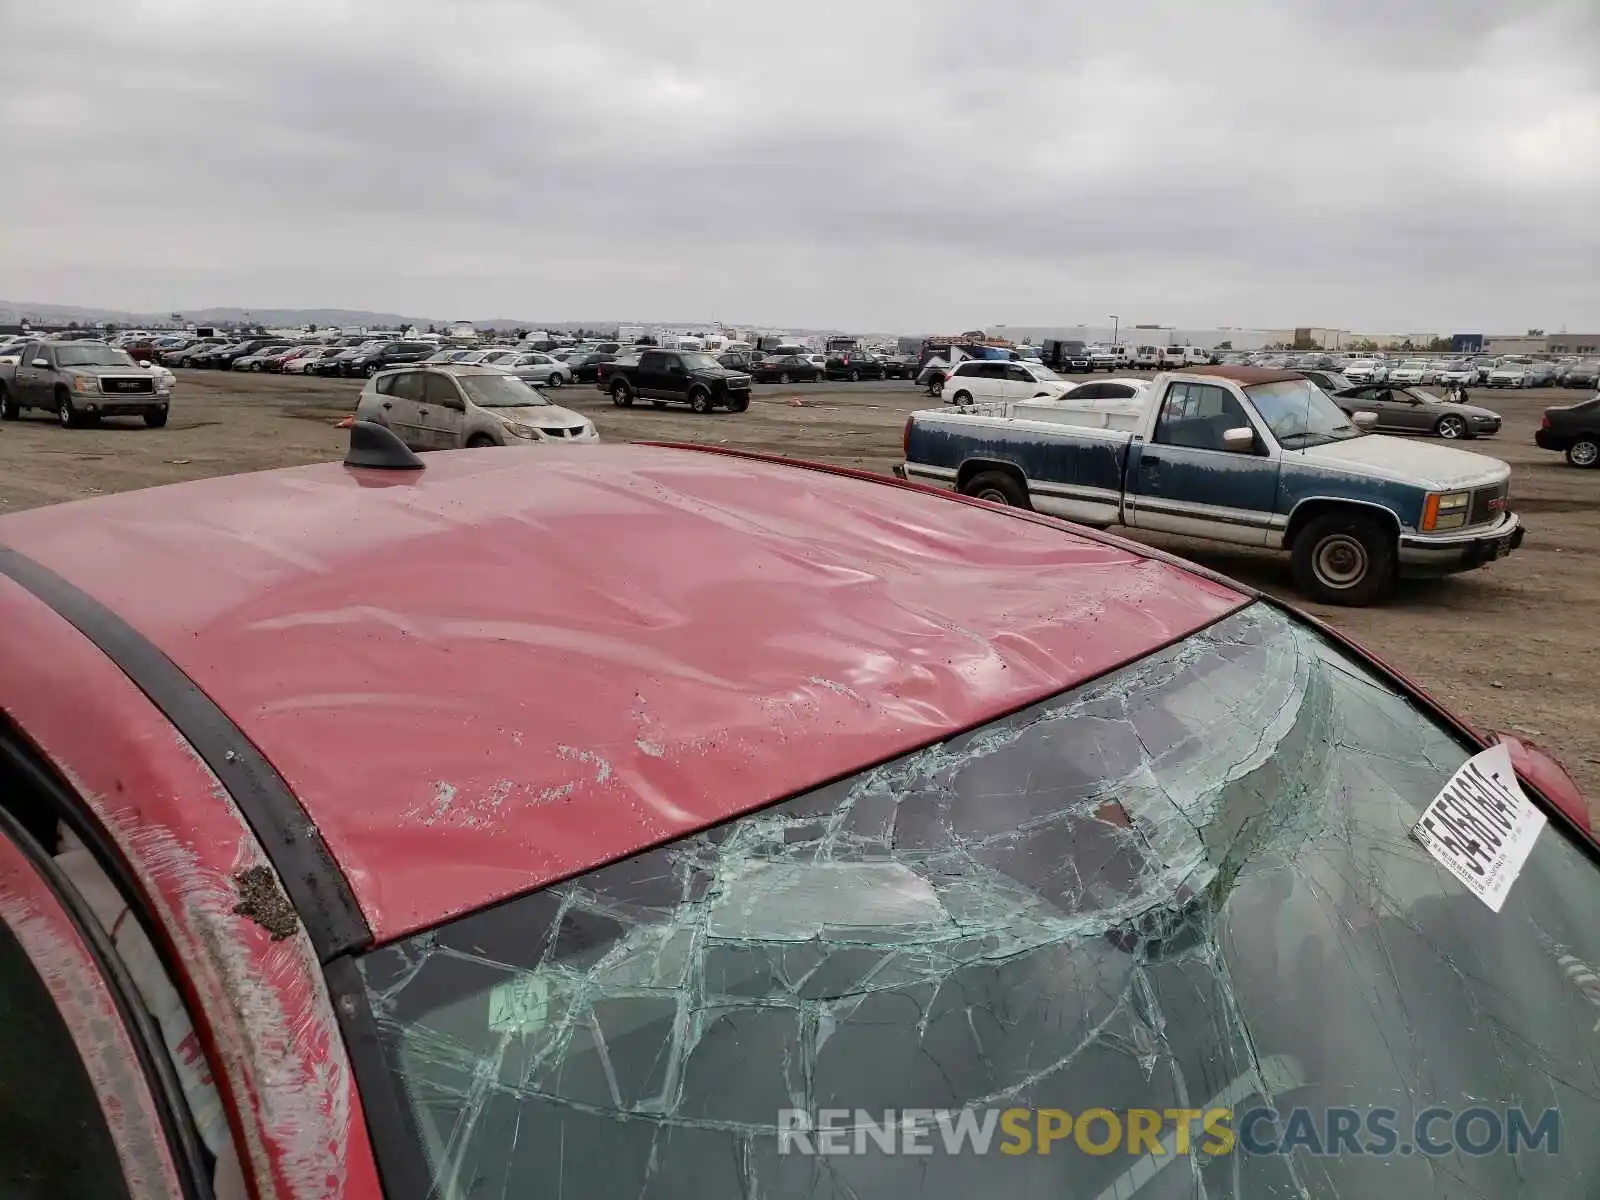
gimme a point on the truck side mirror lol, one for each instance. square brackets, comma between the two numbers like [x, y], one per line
[1363, 419]
[1240, 440]
[42, 364]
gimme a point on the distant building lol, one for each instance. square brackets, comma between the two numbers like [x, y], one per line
[1573, 343]
[1542, 343]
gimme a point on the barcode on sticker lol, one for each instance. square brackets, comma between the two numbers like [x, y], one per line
[1481, 826]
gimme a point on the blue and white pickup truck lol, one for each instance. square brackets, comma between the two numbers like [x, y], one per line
[1235, 454]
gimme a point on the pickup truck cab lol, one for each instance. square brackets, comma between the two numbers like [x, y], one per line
[676, 376]
[80, 382]
[1245, 455]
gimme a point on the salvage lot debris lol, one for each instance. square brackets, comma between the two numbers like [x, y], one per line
[1505, 647]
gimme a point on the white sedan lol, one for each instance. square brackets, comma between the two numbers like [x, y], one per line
[1413, 371]
[541, 369]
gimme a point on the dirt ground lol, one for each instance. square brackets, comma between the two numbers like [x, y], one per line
[1513, 646]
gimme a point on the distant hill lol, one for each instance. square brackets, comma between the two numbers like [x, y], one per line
[13, 312]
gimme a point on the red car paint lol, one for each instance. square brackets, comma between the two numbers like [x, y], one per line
[260, 1006]
[485, 676]
[499, 671]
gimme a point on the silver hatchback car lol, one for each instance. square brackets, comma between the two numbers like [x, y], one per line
[445, 407]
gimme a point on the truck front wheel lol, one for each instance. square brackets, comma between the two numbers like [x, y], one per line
[998, 488]
[1343, 558]
[65, 413]
[700, 401]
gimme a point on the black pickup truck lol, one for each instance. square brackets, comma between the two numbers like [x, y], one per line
[80, 382]
[675, 377]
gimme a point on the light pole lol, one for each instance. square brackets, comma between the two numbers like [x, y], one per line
[1116, 327]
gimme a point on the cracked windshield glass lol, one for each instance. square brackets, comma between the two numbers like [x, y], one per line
[1187, 886]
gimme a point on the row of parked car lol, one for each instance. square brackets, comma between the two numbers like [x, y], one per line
[1507, 371]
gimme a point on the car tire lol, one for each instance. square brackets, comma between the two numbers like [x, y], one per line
[370, 370]
[479, 440]
[155, 417]
[622, 394]
[855, 376]
[9, 409]
[256, 367]
[1343, 558]
[700, 401]
[554, 381]
[997, 487]
[1585, 452]
[961, 398]
[783, 378]
[1452, 428]
[742, 404]
[68, 416]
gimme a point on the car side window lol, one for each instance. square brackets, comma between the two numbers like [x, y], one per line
[439, 389]
[78, 1116]
[1089, 391]
[1018, 375]
[406, 385]
[652, 360]
[1196, 415]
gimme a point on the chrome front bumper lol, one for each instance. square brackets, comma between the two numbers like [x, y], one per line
[1425, 554]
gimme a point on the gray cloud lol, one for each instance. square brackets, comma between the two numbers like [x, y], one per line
[897, 165]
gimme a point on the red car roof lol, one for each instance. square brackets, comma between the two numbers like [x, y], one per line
[518, 664]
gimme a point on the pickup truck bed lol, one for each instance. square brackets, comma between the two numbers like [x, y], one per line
[1239, 455]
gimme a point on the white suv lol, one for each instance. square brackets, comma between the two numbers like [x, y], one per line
[995, 379]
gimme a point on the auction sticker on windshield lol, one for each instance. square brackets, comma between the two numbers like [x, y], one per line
[1482, 826]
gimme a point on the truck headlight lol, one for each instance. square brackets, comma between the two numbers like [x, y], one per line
[83, 383]
[1447, 510]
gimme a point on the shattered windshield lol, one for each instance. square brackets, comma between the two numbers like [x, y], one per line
[1186, 886]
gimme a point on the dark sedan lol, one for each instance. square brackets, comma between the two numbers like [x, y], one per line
[1573, 428]
[1579, 375]
[1409, 410]
[854, 366]
[787, 368]
[585, 368]
[899, 366]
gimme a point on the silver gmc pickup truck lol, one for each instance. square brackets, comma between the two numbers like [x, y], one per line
[80, 382]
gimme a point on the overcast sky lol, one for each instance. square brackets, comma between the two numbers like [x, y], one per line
[883, 165]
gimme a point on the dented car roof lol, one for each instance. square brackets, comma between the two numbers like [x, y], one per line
[504, 670]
